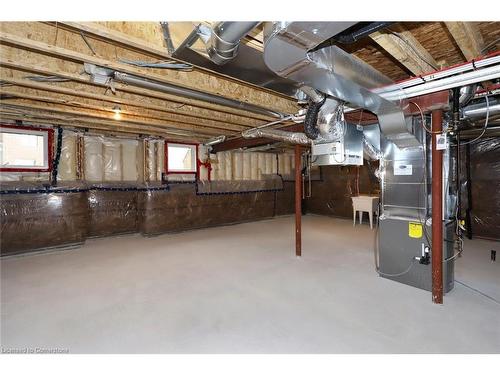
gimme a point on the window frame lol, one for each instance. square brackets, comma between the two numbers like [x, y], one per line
[32, 130]
[196, 162]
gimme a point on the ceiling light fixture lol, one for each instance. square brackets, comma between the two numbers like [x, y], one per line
[117, 110]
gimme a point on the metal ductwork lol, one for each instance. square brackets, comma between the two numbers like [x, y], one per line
[215, 140]
[290, 52]
[225, 40]
[278, 135]
[169, 88]
[479, 110]
[466, 94]
[369, 151]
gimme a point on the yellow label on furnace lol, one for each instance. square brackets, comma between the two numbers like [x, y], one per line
[415, 230]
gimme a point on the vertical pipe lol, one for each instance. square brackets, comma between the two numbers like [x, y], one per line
[298, 202]
[437, 211]
[468, 220]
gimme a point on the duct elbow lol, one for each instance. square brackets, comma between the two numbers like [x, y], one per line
[225, 39]
[369, 151]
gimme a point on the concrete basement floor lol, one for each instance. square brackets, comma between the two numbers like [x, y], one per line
[239, 289]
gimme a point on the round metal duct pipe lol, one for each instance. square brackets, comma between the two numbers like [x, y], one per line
[169, 88]
[225, 40]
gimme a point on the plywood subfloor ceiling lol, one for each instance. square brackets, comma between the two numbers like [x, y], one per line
[46, 49]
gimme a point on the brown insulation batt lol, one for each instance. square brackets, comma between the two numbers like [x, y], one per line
[38, 221]
[332, 195]
[112, 212]
[182, 209]
[485, 187]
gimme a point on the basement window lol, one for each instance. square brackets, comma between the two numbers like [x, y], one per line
[181, 158]
[25, 149]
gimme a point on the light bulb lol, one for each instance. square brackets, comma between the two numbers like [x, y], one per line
[117, 110]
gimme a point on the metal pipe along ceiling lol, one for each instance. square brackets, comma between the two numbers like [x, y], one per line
[479, 110]
[169, 88]
[225, 40]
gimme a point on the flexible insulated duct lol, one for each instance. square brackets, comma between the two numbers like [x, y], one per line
[278, 135]
[310, 122]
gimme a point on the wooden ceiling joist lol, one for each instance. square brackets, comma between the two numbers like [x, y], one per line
[169, 103]
[33, 119]
[67, 54]
[141, 45]
[71, 46]
[127, 110]
[83, 123]
[26, 104]
[405, 48]
[467, 37]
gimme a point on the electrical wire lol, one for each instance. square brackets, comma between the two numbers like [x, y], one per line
[489, 45]
[431, 64]
[485, 123]
[423, 120]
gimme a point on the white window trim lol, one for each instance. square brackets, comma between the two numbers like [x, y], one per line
[46, 153]
[194, 161]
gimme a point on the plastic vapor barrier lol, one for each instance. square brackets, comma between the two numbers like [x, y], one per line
[67, 162]
[484, 184]
[332, 195]
[36, 217]
[189, 206]
[112, 209]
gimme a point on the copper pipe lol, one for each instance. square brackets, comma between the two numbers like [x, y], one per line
[298, 201]
[437, 210]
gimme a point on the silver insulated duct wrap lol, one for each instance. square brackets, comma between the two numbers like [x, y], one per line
[278, 135]
[289, 51]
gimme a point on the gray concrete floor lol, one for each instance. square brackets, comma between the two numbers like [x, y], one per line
[239, 289]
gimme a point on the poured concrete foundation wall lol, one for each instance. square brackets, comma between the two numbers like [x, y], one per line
[332, 194]
[68, 215]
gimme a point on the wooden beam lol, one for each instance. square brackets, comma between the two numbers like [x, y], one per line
[468, 38]
[75, 101]
[36, 118]
[194, 80]
[404, 47]
[170, 102]
[143, 46]
[124, 121]
[80, 86]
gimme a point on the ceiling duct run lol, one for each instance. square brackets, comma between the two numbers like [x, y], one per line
[224, 41]
[296, 138]
[290, 52]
